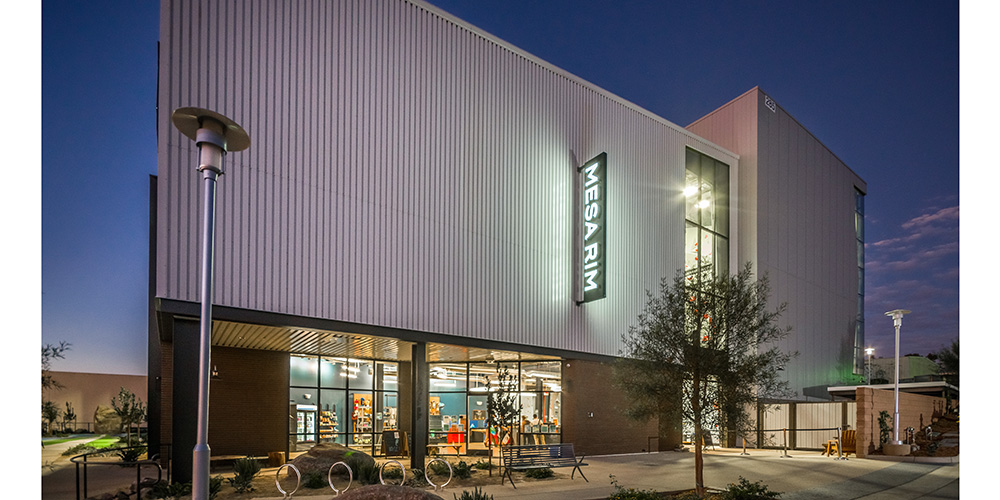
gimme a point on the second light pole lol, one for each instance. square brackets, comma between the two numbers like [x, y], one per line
[897, 321]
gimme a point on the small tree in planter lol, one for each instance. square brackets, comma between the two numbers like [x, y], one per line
[130, 409]
[503, 408]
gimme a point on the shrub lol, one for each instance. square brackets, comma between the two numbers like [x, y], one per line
[476, 494]
[214, 486]
[164, 489]
[131, 454]
[462, 470]
[482, 465]
[539, 473]
[458, 471]
[630, 493]
[417, 479]
[79, 449]
[367, 473]
[746, 490]
[246, 469]
[314, 481]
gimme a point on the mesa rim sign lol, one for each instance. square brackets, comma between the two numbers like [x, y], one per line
[593, 218]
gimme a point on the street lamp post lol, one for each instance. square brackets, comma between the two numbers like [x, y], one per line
[868, 377]
[897, 321]
[215, 135]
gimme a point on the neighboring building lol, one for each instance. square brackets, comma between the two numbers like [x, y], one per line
[86, 391]
[911, 368]
[423, 203]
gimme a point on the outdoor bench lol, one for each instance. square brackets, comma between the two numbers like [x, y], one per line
[540, 456]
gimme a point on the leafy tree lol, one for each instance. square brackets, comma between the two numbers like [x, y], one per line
[503, 406]
[130, 409]
[50, 413]
[948, 359]
[703, 351]
[50, 353]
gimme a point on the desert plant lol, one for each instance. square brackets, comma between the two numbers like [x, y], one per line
[476, 494]
[164, 489]
[367, 473]
[745, 490]
[246, 469]
[542, 473]
[462, 470]
[417, 479]
[314, 480]
[622, 493]
[131, 454]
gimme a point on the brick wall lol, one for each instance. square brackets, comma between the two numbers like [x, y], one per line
[914, 410]
[591, 413]
[248, 404]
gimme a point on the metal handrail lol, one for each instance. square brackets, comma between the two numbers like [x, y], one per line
[154, 460]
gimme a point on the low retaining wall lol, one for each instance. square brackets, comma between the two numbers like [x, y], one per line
[915, 411]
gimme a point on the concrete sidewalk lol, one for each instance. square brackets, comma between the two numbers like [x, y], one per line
[805, 475]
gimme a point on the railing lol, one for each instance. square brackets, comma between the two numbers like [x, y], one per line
[83, 460]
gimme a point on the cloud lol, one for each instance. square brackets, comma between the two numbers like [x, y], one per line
[946, 215]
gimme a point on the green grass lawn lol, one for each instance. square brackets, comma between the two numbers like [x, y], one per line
[48, 442]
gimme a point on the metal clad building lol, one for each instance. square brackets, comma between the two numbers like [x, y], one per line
[411, 215]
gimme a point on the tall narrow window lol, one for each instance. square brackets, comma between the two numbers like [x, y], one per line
[859, 326]
[706, 220]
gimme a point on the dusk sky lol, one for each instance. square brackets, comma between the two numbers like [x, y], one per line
[877, 82]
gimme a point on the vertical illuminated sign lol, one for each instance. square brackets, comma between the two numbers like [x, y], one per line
[593, 228]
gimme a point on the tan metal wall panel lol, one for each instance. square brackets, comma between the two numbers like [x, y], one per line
[408, 171]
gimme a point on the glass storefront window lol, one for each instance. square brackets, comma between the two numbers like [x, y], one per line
[333, 373]
[302, 370]
[448, 376]
[332, 416]
[388, 379]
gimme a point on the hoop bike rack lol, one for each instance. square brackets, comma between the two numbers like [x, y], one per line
[451, 473]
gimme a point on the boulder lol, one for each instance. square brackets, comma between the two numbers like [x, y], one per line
[387, 492]
[106, 421]
[323, 455]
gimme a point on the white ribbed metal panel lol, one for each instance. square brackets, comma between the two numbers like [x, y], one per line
[407, 170]
[800, 218]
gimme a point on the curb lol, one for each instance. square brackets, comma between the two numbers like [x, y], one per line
[919, 460]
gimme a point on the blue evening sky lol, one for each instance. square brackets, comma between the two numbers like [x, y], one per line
[876, 81]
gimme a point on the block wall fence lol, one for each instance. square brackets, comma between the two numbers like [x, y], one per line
[915, 411]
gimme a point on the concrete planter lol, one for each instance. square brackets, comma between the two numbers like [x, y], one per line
[896, 450]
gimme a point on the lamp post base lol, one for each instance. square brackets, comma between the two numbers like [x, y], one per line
[896, 450]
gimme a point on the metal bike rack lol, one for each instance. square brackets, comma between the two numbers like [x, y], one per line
[451, 473]
[784, 437]
[382, 468]
[350, 478]
[298, 480]
[840, 447]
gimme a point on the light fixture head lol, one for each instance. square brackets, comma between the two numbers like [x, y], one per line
[897, 316]
[190, 120]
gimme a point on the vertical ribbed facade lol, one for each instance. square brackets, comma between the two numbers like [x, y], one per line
[408, 171]
[797, 224]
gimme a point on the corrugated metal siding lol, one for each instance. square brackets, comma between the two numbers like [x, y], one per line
[407, 171]
[801, 221]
